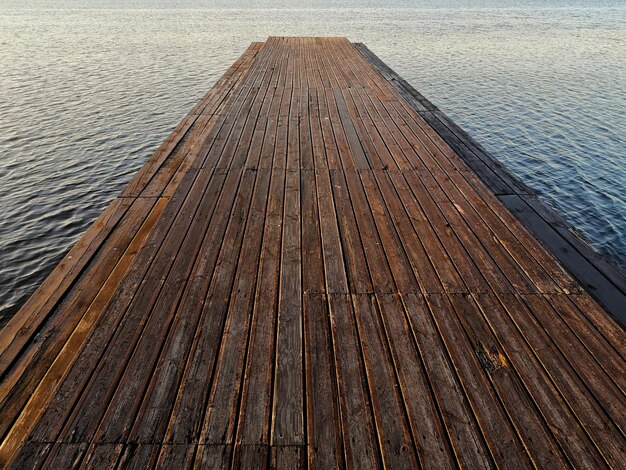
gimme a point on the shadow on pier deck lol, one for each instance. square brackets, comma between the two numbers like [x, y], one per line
[318, 268]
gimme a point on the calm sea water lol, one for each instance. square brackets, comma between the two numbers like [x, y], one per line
[88, 89]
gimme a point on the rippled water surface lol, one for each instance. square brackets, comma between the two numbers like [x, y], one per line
[89, 89]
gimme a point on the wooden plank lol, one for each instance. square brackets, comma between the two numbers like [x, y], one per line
[304, 131]
[288, 394]
[323, 421]
[384, 151]
[393, 155]
[332, 153]
[594, 342]
[482, 250]
[288, 457]
[99, 456]
[394, 433]
[69, 455]
[382, 272]
[465, 265]
[396, 134]
[313, 281]
[422, 266]
[607, 327]
[212, 456]
[351, 241]
[445, 267]
[288, 406]
[354, 143]
[357, 424]
[428, 430]
[177, 456]
[500, 268]
[251, 126]
[344, 159]
[271, 140]
[332, 252]
[578, 358]
[317, 134]
[358, 201]
[251, 457]
[138, 456]
[403, 274]
[540, 267]
[30, 454]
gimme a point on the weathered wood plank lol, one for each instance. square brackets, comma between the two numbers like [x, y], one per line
[288, 406]
[357, 423]
[323, 421]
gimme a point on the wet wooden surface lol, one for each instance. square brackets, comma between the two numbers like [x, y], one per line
[306, 273]
[601, 278]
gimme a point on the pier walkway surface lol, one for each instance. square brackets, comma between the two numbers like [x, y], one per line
[311, 272]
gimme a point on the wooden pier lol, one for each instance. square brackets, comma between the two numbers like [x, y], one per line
[317, 268]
